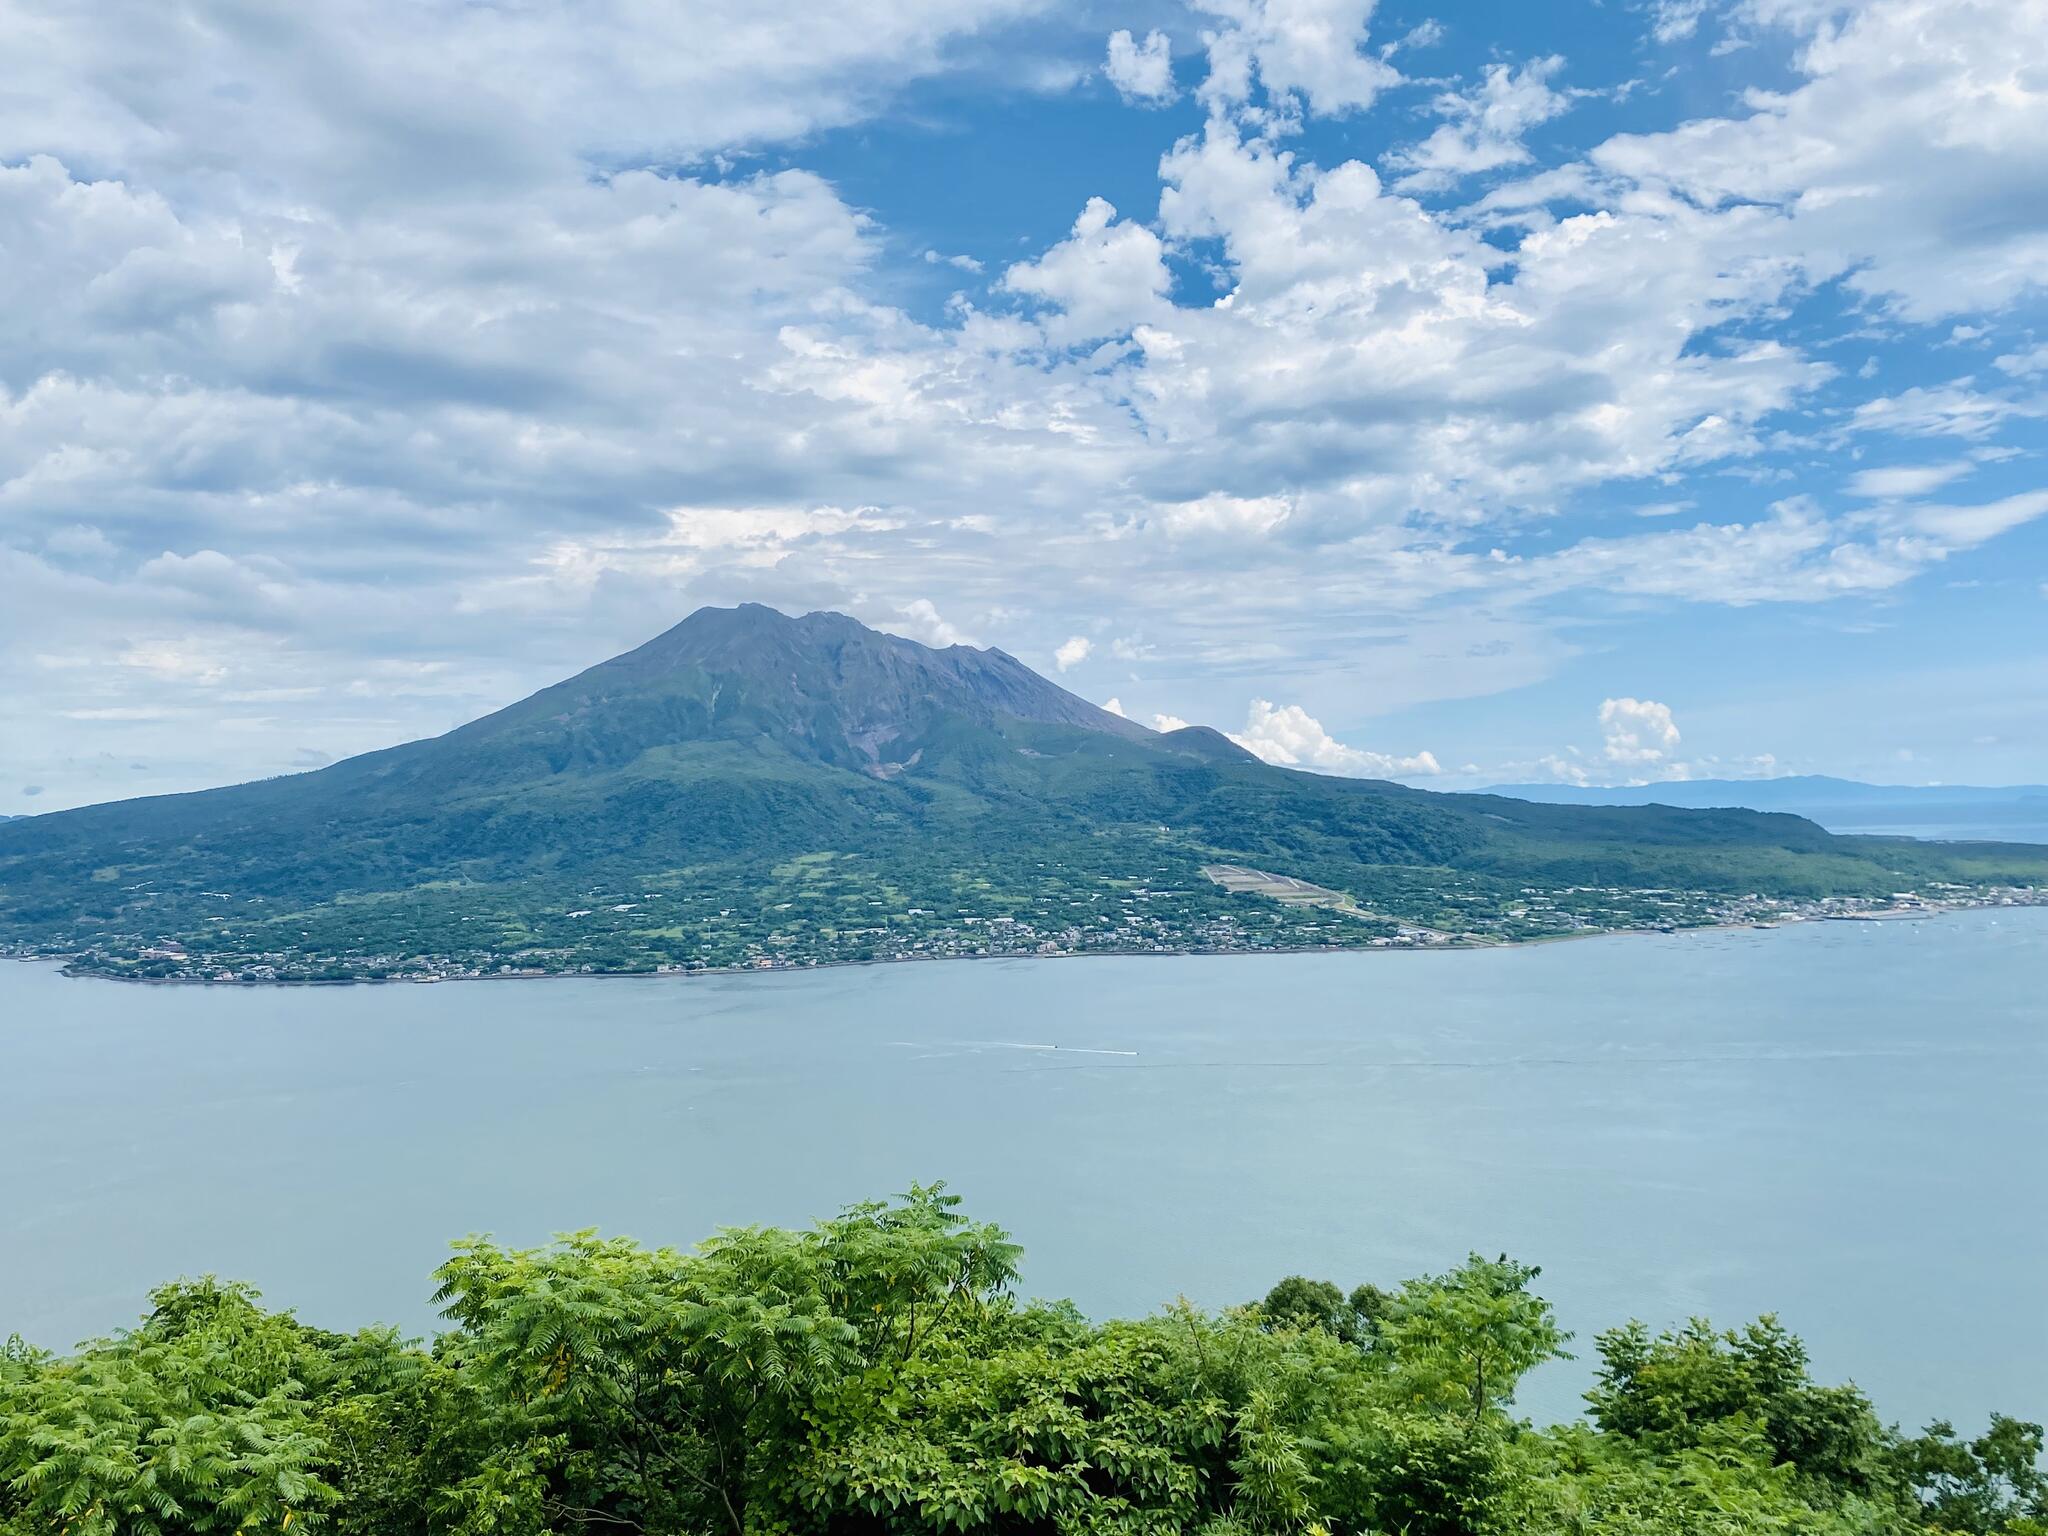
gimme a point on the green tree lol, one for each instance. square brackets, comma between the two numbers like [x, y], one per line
[195, 1422]
[670, 1390]
[874, 1374]
[1989, 1486]
[1301, 1303]
[1667, 1390]
[1470, 1335]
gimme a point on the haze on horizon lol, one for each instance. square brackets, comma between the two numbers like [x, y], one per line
[1463, 394]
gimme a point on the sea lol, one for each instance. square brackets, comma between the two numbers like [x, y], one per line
[1839, 1122]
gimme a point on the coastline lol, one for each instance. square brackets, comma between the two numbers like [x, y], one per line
[69, 968]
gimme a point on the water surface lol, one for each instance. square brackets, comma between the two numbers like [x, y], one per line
[1839, 1121]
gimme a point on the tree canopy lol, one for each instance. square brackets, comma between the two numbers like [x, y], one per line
[878, 1373]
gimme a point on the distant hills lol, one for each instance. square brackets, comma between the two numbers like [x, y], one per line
[2018, 812]
[752, 788]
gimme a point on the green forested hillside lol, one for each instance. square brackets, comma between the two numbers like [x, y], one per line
[751, 788]
[876, 1374]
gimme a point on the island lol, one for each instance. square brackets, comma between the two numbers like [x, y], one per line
[751, 790]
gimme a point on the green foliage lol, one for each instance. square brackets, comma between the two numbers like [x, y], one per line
[1990, 1486]
[1723, 1484]
[1467, 1337]
[1300, 1303]
[1667, 1392]
[875, 1374]
[196, 1421]
[647, 1382]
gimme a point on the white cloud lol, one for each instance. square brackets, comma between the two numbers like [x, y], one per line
[919, 620]
[1106, 278]
[1966, 527]
[1141, 72]
[1954, 409]
[1424, 34]
[174, 663]
[1673, 21]
[387, 100]
[1314, 49]
[1915, 120]
[1900, 481]
[1160, 722]
[1072, 652]
[2024, 364]
[1639, 733]
[1289, 735]
[1225, 515]
[1797, 554]
[1484, 128]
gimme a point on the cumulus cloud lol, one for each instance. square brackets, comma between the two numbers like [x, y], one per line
[1637, 733]
[1910, 112]
[1564, 770]
[1289, 735]
[1141, 72]
[1221, 514]
[1640, 741]
[1107, 277]
[1072, 652]
[1484, 128]
[1315, 49]
[919, 620]
[1160, 722]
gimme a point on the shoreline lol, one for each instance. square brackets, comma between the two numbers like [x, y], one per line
[68, 967]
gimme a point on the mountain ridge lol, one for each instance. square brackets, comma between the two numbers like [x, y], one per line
[1791, 786]
[1849, 806]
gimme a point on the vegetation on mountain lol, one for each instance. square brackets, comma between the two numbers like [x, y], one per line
[751, 788]
[877, 1373]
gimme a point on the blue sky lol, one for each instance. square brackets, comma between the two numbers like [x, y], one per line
[1601, 392]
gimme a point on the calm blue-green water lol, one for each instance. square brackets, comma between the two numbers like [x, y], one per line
[1839, 1121]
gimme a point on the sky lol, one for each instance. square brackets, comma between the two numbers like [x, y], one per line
[1464, 393]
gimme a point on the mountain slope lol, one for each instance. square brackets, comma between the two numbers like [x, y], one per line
[750, 787]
